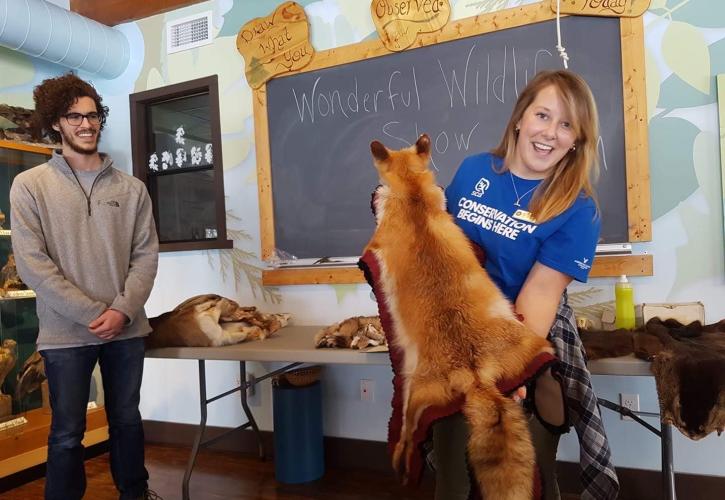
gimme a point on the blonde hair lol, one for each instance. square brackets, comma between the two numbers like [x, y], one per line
[578, 169]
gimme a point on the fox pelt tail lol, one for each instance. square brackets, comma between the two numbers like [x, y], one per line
[500, 452]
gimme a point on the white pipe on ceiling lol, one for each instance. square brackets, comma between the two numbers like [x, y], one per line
[41, 29]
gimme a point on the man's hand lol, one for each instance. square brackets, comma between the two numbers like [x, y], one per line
[108, 325]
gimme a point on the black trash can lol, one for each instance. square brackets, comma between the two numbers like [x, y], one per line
[298, 440]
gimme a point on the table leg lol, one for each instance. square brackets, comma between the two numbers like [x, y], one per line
[247, 411]
[199, 432]
[668, 469]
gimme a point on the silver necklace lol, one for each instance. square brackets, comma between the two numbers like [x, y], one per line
[518, 198]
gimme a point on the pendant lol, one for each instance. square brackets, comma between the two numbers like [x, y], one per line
[516, 203]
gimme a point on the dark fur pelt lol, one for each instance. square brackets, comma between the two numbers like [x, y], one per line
[688, 362]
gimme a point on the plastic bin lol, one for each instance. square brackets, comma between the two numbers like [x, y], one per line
[298, 440]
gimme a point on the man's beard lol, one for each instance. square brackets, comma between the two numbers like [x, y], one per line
[70, 141]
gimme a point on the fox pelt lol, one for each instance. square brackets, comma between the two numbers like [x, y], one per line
[357, 332]
[458, 333]
[211, 320]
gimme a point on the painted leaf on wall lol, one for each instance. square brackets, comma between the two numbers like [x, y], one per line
[675, 93]
[16, 68]
[701, 221]
[342, 291]
[671, 164]
[685, 51]
[702, 13]
[717, 56]
[328, 35]
[652, 80]
[706, 158]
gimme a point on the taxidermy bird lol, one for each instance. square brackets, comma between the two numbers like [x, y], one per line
[30, 376]
[8, 357]
[9, 277]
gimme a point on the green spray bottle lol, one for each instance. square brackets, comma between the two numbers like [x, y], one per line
[624, 303]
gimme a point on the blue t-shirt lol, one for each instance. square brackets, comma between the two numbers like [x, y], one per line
[482, 203]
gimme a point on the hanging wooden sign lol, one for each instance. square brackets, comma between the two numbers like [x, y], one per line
[399, 21]
[276, 44]
[608, 8]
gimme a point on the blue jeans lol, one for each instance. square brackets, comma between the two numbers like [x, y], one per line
[69, 379]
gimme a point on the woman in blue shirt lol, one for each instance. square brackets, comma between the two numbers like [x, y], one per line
[531, 206]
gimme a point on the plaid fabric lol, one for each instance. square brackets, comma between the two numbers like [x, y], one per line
[598, 477]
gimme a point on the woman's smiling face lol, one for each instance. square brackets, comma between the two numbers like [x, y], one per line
[545, 135]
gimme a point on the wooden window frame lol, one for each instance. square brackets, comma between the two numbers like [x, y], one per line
[139, 103]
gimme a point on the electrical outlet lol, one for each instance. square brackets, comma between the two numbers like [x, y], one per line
[630, 401]
[367, 390]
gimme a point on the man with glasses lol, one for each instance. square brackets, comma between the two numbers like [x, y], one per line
[84, 239]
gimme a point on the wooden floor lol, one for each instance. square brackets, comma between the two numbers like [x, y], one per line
[226, 475]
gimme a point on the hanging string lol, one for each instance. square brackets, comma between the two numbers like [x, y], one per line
[559, 46]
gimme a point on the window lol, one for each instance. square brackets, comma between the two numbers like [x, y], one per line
[176, 144]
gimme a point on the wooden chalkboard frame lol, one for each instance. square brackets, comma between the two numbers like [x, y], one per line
[635, 123]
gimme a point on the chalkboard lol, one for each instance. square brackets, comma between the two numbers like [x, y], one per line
[459, 92]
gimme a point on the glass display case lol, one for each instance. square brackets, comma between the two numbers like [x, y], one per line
[24, 408]
[18, 322]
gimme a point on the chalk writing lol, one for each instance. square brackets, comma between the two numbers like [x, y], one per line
[611, 8]
[399, 21]
[471, 84]
[275, 44]
[615, 6]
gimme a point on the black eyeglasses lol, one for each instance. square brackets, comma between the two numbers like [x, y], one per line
[76, 119]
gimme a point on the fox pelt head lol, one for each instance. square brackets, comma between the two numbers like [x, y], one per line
[406, 172]
[401, 167]
[457, 333]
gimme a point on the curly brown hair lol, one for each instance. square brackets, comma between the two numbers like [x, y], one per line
[54, 96]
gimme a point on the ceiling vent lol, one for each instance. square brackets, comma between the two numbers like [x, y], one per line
[189, 32]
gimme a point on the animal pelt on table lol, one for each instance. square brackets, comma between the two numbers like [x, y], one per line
[358, 332]
[212, 320]
[688, 362]
[455, 342]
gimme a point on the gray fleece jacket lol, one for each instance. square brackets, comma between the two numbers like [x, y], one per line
[83, 254]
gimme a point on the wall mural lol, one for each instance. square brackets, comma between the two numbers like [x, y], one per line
[721, 116]
[685, 47]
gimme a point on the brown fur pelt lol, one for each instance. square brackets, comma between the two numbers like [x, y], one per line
[688, 362]
[211, 320]
[458, 332]
[606, 344]
[358, 332]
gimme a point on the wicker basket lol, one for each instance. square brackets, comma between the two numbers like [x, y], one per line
[300, 377]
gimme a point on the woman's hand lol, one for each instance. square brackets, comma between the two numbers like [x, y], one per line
[519, 394]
